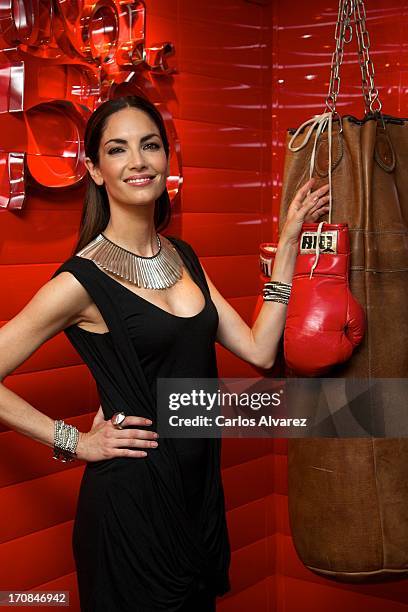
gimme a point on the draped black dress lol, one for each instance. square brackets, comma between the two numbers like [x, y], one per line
[150, 533]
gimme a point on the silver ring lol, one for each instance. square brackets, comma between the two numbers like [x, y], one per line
[117, 419]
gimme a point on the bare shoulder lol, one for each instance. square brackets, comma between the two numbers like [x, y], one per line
[57, 304]
[66, 293]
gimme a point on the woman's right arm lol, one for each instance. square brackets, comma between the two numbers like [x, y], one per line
[55, 306]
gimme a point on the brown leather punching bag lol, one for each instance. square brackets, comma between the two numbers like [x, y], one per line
[348, 497]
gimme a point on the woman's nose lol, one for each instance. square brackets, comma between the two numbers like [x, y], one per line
[137, 159]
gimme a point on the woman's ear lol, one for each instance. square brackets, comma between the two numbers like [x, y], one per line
[94, 171]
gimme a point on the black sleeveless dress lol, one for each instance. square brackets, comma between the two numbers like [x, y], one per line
[150, 533]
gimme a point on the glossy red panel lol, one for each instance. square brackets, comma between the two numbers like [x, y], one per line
[222, 270]
[51, 234]
[239, 52]
[66, 582]
[161, 25]
[279, 471]
[247, 523]
[216, 145]
[245, 15]
[239, 450]
[256, 471]
[26, 507]
[280, 446]
[223, 190]
[271, 502]
[255, 597]
[243, 231]
[36, 558]
[73, 386]
[277, 512]
[224, 101]
[251, 563]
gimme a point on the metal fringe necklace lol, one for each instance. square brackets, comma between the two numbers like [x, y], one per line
[160, 271]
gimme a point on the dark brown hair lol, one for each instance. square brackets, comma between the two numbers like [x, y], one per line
[95, 212]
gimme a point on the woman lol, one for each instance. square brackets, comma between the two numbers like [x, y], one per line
[150, 531]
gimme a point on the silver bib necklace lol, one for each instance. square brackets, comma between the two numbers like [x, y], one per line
[160, 271]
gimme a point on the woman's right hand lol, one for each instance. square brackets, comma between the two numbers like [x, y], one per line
[306, 207]
[104, 441]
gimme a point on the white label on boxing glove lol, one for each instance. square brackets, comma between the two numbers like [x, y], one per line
[266, 266]
[266, 262]
[327, 242]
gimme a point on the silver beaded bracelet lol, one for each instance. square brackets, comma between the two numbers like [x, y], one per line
[276, 291]
[65, 441]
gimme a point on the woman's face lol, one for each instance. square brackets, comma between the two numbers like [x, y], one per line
[131, 146]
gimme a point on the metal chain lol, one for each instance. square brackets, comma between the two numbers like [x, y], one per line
[370, 92]
[344, 34]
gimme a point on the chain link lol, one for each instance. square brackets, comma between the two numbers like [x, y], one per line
[370, 92]
[343, 35]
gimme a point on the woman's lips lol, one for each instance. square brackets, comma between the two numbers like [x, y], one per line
[139, 182]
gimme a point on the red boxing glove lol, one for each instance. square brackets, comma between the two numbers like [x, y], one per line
[324, 321]
[267, 252]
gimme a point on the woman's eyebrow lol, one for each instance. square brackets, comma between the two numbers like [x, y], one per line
[123, 141]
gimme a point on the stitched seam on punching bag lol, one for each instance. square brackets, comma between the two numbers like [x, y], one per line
[382, 231]
[368, 573]
[384, 270]
[378, 503]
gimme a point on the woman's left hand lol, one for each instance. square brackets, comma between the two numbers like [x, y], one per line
[305, 209]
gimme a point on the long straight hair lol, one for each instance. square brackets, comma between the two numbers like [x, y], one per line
[96, 211]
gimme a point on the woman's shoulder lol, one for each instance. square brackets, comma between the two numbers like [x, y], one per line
[72, 264]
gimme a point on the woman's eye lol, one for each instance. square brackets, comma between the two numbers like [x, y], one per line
[150, 144]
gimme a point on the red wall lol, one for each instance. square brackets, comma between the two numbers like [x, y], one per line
[246, 72]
